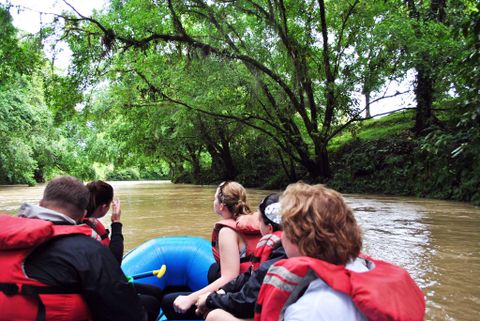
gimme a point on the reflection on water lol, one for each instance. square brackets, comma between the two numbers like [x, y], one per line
[438, 242]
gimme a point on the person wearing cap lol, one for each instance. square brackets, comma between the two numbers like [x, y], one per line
[236, 300]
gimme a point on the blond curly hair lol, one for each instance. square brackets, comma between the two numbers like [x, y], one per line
[320, 223]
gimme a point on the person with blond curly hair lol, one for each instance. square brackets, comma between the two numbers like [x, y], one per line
[325, 276]
[319, 224]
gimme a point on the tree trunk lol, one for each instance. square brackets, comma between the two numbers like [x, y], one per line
[222, 161]
[229, 169]
[195, 161]
[367, 105]
[323, 163]
[288, 167]
[424, 97]
[425, 79]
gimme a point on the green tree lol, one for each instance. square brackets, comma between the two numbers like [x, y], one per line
[23, 115]
[33, 149]
[293, 56]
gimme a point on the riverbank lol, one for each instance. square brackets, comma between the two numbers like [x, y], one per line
[385, 157]
[377, 156]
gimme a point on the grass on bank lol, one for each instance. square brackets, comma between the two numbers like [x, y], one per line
[375, 128]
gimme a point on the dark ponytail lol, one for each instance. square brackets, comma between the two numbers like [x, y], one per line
[100, 193]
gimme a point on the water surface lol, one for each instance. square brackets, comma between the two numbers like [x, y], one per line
[438, 242]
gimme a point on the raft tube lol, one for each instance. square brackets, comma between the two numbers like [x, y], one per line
[187, 259]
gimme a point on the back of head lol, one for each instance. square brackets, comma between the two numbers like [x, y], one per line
[320, 223]
[100, 193]
[270, 210]
[68, 194]
[234, 196]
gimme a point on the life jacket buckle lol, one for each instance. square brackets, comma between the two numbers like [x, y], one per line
[9, 288]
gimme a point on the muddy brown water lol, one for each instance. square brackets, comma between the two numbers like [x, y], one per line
[438, 242]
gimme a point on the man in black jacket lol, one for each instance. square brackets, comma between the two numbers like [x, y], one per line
[78, 261]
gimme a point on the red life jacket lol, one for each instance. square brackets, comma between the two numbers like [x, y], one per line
[384, 293]
[23, 298]
[250, 235]
[98, 227]
[265, 247]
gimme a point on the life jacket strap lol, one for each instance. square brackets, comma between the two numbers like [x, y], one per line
[90, 223]
[13, 289]
[34, 292]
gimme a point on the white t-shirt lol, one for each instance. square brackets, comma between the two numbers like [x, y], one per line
[321, 303]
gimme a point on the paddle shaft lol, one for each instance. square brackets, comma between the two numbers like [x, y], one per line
[142, 275]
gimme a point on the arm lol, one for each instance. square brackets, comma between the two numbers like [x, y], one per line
[237, 283]
[116, 239]
[229, 265]
[242, 302]
[106, 289]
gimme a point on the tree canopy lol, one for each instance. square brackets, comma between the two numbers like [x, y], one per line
[255, 90]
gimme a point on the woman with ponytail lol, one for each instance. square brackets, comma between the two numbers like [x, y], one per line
[234, 238]
[101, 199]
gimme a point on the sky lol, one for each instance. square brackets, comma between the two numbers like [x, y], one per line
[31, 14]
[29, 19]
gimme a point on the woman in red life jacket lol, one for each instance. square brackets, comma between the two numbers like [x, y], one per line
[237, 298]
[233, 241]
[230, 204]
[101, 199]
[325, 277]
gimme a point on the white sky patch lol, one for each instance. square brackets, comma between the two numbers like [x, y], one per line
[30, 15]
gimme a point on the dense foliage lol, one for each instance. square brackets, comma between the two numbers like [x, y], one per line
[24, 121]
[434, 166]
[259, 91]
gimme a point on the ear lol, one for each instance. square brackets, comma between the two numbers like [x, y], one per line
[41, 202]
[81, 218]
[104, 208]
[270, 228]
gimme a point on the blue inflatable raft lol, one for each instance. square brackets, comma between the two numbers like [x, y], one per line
[187, 260]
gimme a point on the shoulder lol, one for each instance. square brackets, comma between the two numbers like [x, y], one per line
[278, 252]
[227, 234]
[231, 223]
[80, 239]
[321, 302]
[77, 245]
[248, 223]
[69, 253]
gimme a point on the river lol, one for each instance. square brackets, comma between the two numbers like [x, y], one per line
[438, 242]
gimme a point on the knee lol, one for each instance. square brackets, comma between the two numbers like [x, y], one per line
[214, 315]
